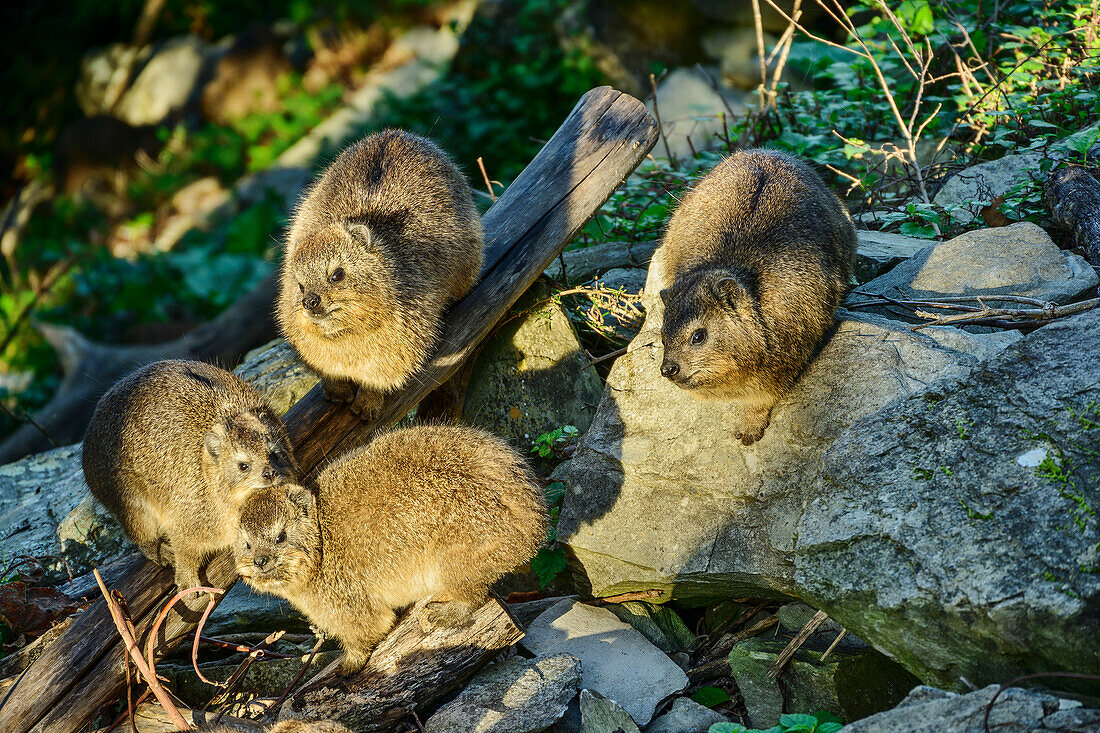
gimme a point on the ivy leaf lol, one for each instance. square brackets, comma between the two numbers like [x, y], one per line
[710, 696]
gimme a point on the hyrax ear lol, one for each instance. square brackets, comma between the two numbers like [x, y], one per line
[728, 291]
[213, 440]
[360, 233]
[664, 295]
[303, 499]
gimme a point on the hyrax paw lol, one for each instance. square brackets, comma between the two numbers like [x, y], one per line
[351, 665]
[338, 390]
[367, 404]
[447, 614]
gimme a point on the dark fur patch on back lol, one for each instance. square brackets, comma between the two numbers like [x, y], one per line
[761, 180]
[200, 379]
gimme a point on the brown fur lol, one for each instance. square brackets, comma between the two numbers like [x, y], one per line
[753, 266]
[164, 453]
[425, 511]
[384, 241]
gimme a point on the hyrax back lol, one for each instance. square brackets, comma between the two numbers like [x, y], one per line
[382, 243]
[425, 511]
[753, 266]
[173, 449]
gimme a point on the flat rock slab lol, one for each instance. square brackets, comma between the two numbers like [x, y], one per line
[514, 696]
[928, 710]
[879, 251]
[1015, 260]
[968, 191]
[616, 660]
[686, 716]
[959, 530]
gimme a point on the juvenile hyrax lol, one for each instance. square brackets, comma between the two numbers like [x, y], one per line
[173, 450]
[425, 511]
[753, 266]
[380, 245]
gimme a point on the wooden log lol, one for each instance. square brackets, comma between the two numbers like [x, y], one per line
[1074, 200]
[411, 670]
[604, 138]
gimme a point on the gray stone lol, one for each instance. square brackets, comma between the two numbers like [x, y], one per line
[167, 82]
[1020, 259]
[1015, 711]
[849, 683]
[660, 624]
[601, 715]
[528, 379]
[628, 279]
[966, 192]
[661, 496]
[243, 609]
[99, 68]
[526, 612]
[265, 677]
[686, 716]
[584, 263]
[877, 252]
[690, 107]
[957, 530]
[277, 372]
[1074, 720]
[616, 660]
[514, 696]
[793, 617]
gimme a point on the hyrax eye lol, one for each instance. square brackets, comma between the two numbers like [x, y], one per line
[248, 545]
[699, 336]
[301, 287]
[244, 466]
[337, 275]
[281, 538]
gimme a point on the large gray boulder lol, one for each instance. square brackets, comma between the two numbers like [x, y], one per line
[957, 530]
[662, 496]
[514, 696]
[928, 710]
[965, 193]
[1015, 260]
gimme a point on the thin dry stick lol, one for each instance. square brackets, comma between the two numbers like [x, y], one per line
[660, 125]
[639, 595]
[261, 653]
[800, 639]
[274, 709]
[758, 23]
[151, 641]
[485, 176]
[599, 360]
[235, 679]
[785, 43]
[135, 653]
[1044, 315]
[841, 635]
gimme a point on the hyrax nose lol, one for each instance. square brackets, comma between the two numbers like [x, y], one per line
[670, 369]
[269, 473]
[261, 561]
[312, 301]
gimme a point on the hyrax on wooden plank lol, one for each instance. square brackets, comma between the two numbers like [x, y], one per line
[428, 511]
[755, 261]
[173, 450]
[383, 242]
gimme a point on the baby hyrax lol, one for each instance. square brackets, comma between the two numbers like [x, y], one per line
[754, 264]
[173, 450]
[381, 244]
[425, 511]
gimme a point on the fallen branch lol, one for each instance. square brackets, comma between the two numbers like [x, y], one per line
[147, 671]
[1042, 312]
[789, 651]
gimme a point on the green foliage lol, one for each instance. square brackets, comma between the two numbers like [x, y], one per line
[547, 564]
[820, 722]
[710, 696]
[555, 442]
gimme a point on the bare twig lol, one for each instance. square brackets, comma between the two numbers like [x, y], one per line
[151, 641]
[660, 125]
[485, 176]
[235, 679]
[638, 595]
[132, 648]
[274, 709]
[599, 360]
[785, 656]
[841, 635]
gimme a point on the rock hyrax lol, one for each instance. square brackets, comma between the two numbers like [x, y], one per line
[425, 511]
[754, 264]
[173, 449]
[381, 244]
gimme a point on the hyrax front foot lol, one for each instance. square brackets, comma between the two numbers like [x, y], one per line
[448, 614]
[338, 390]
[352, 662]
[367, 404]
[753, 424]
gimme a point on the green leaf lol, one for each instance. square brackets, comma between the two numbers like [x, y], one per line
[798, 722]
[547, 564]
[727, 728]
[828, 727]
[913, 229]
[824, 716]
[710, 696]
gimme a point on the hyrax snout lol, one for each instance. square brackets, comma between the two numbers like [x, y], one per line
[755, 261]
[173, 449]
[430, 511]
[382, 243]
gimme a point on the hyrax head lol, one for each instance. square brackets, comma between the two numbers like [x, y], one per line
[277, 537]
[340, 280]
[712, 331]
[249, 451]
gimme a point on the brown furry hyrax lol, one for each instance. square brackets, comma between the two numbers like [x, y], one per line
[173, 450]
[754, 264]
[293, 726]
[381, 244]
[425, 511]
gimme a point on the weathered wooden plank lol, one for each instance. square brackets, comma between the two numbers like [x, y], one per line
[601, 142]
[1074, 200]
